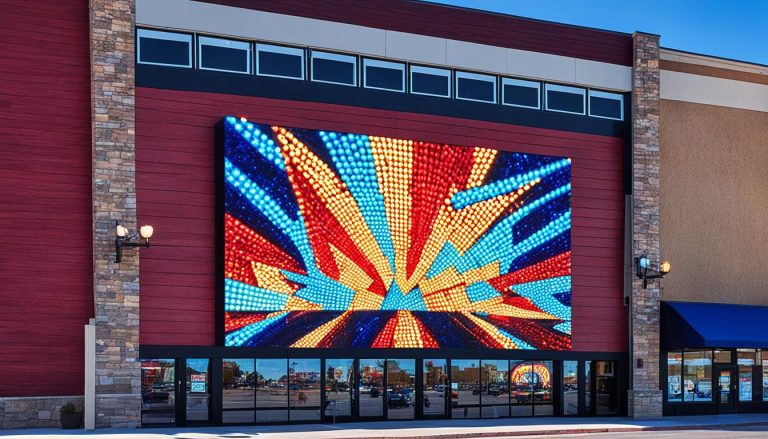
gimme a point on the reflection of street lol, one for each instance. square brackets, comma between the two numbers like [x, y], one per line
[436, 402]
[197, 407]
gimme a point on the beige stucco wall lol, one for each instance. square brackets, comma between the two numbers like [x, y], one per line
[714, 203]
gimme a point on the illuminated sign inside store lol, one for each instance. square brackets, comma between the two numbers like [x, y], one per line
[340, 240]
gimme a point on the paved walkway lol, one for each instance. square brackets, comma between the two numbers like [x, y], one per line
[435, 429]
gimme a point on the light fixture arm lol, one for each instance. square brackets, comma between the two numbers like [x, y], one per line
[124, 237]
[645, 270]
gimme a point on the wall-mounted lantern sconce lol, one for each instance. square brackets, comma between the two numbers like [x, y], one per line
[124, 237]
[646, 271]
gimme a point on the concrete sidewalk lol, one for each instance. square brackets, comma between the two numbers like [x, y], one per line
[433, 429]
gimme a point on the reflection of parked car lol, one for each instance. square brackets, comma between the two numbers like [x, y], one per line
[398, 400]
[497, 389]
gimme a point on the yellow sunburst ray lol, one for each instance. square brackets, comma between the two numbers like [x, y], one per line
[335, 196]
[314, 338]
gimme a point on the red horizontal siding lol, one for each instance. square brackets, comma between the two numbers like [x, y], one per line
[175, 184]
[458, 24]
[45, 196]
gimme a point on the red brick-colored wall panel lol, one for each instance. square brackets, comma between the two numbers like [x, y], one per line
[46, 270]
[175, 179]
[457, 23]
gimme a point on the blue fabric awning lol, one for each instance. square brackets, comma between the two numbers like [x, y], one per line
[713, 325]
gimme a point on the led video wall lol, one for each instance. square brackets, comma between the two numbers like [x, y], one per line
[340, 240]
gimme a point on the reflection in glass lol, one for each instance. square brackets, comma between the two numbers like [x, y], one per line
[746, 357]
[606, 388]
[198, 389]
[570, 388]
[158, 391]
[271, 390]
[371, 387]
[237, 384]
[542, 388]
[304, 389]
[465, 389]
[674, 376]
[588, 387]
[697, 376]
[435, 391]
[401, 389]
[724, 382]
[339, 387]
[764, 362]
[494, 388]
[521, 382]
[723, 357]
[745, 383]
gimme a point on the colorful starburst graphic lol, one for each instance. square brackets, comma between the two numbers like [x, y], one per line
[342, 240]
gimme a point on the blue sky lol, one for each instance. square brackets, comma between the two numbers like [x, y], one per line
[735, 29]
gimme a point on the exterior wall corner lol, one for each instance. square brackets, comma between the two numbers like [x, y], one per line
[645, 396]
[115, 286]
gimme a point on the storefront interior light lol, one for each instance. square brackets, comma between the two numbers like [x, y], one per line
[124, 238]
[645, 269]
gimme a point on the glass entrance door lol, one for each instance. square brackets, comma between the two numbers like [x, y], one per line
[339, 389]
[371, 388]
[198, 389]
[726, 389]
[436, 391]
[401, 389]
[158, 392]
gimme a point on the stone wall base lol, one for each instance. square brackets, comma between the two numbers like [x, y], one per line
[118, 411]
[34, 412]
[644, 404]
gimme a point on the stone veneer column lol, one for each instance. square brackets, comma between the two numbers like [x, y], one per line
[115, 286]
[645, 396]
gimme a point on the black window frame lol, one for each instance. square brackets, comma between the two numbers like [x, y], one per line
[521, 83]
[476, 76]
[606, 95]
[249, 53]
[385, 64]
[285, 50]
[434, 71]
[334, 56]
[158, 35]
[565, 89]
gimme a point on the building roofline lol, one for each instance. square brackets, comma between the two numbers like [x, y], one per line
[670, 54]
[521, 17]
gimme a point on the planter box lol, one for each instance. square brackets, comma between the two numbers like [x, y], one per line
[71, 421]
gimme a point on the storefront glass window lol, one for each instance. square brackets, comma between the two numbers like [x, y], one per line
[494, 388]
[435, 392]
[465, 385]
[746, 357]
[764, 355]
[723, 357]
[371, 387]
[674, 376]
[158, 391]
[542, 388]
[606, 388]
[304, 389]
[521, 388]
[237, 384]
[587, 387]
[697, 376]
[745, 383]
[339, 387]
[570, 388]
[271, 390]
